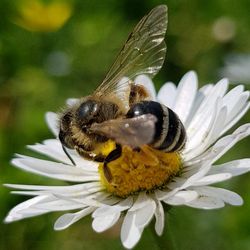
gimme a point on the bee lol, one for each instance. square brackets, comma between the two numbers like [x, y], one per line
[120, 110]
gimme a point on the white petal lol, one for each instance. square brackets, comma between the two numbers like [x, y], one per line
[235, 100]
[68, 219]
[181, 198]
[130, 234]
[141, 201]
[72, 189]
[59, 205]
[26, 210]
[193, 168]
[29, 193]
[237, 105]
[229, 141]
[223, 194]
[52, 121]
[53, 149]
[186, 92]
[208, 95]
[145, 214]
[53, 169]
[236, 118]
[197, 133]
[176, 182]
[159, 218]
[202, 171]
[64, 196]
[204, 202]
[167, 94]
[223, 145]
[232, 96]
[72, 101]
[208, 133]
[109, 199]
[211, 179]
[106, 210]
[207, 108]
[148, 84]
[67, 193]
[95, 199]
[216, 129]
[221, 87]
[144, 208]
[235, 168]
[201, 94]
[103, 223]
[229, 197]
[164, 194]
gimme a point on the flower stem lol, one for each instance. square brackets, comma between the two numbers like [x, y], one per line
[167, 240]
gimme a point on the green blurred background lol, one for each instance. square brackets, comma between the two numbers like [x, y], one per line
[53, 50]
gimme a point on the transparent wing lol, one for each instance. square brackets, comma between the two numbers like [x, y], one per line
[143, 53]
[134, 132]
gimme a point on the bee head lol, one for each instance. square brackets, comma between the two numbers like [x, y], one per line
[65, 131]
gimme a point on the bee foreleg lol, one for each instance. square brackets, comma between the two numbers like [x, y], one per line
[68, 155]
[113, 155]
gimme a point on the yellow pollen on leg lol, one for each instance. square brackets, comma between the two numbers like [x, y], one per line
[138, 170]
[105, 148]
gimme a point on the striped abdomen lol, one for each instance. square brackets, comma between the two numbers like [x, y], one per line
[170, 134]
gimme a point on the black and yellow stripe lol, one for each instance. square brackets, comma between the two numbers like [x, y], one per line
[170, 134]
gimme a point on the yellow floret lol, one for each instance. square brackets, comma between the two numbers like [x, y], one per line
[137, 170]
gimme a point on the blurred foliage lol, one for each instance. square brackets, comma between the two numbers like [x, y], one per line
[40, 69]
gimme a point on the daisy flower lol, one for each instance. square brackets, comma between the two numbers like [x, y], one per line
[185, 178]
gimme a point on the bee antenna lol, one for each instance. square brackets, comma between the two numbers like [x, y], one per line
[68, 155]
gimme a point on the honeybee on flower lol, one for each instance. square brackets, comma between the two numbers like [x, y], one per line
[131, 151]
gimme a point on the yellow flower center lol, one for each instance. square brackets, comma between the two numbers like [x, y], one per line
[138, 170]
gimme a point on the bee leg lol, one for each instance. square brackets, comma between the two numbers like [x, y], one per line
[87, 154]
[99, 158]
[107, 172]
[113, 155]
[68, 155]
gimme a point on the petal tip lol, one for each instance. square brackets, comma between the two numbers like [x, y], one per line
[58, 226]
[191, 75]
[10, 218]
[51, 119]
[15, 161]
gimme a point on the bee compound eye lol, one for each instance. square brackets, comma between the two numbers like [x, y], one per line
[87, 111]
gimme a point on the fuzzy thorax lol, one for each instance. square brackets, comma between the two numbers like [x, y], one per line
[137, 170]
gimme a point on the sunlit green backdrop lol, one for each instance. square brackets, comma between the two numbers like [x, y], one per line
[43, 62]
